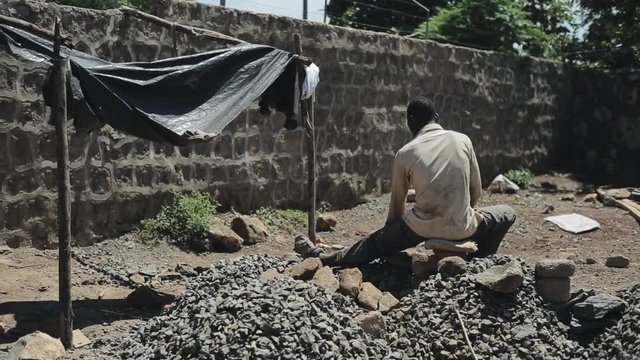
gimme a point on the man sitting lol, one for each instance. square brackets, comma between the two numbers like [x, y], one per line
[442, 168]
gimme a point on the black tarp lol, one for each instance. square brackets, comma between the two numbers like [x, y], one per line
[168, 100]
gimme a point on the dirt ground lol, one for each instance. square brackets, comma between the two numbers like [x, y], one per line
[28, 290]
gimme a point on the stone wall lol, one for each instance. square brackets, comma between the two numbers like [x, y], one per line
[604, 130]
[508, 105]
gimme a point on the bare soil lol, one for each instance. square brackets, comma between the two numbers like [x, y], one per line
[29, 286]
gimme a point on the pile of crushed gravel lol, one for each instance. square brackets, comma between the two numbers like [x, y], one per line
[622, 340]
[229, 313]
[500, 326]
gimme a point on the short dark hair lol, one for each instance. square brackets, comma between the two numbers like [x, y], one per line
[420, 112]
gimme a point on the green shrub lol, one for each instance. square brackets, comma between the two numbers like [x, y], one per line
[521, 177]
[185, 220]
[278, 219]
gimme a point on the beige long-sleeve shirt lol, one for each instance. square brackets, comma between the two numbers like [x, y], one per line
[442, 168]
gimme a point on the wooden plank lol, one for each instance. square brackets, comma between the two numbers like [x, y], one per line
[182, 28]
[632, 207]
[59, 118]
[23, 25]
[307, 117]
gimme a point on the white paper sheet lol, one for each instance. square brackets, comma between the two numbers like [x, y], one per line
[574, 223]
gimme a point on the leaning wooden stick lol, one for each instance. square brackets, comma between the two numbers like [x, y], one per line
[182, 28]
[23, 25]
[464, 332]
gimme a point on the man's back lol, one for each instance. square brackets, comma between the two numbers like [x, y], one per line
[442, 168]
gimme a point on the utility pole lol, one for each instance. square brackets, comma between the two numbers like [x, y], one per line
[305, 7]
[223, 2]
[325, 11]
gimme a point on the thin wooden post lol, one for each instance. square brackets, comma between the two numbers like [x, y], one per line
[307, 117]
[59, 114]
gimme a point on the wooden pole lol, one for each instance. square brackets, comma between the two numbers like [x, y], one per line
[307, 117]
[59, 114]
[305, 9]
[23, 25]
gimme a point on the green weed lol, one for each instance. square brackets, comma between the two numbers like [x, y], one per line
[278, 219]
[521, 177]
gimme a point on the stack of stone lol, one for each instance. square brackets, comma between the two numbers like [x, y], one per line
[553, 279]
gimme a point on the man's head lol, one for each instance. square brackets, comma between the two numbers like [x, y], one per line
[420, 112]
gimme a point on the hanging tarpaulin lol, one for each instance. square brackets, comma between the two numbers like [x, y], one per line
[176, 100]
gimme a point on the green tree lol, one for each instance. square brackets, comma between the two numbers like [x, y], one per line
[539, 28]
[393, 16]
[612, 40]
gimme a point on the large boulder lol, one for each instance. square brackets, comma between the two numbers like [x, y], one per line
[305, 269]
[502, 278]
[598, 306]
[369, 296]
[222, 238]
[350, 282]
[250, 229]
[37, 346]
[325, 279]
[326, 222]
[555, 268]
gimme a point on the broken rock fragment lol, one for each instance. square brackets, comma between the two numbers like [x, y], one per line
[305, 269]
[502, 278]
[372, 323]
[350, 282]
[37, 346]
[222, 238]
[452, 266]
[554, 289]
[555, 268]
[424, 265]
[325, 279]
[369, 296]
[326, 222]
[387, 302]
[250, 229]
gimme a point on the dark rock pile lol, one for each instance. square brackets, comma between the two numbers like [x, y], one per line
[229, 313]
[622, 340]
[500, 326]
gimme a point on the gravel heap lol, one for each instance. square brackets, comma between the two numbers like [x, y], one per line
[621, 341]
[229, 313]
[500, 326]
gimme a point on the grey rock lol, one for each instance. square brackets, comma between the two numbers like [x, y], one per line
[554, 289]
[555, 268]
[37, 346]
[598, 306]
[372, 323]
[424, 265]
[502, 278]
[270, 274]
[617, 261]
[137, 279]
[387, 302]
[452, 266]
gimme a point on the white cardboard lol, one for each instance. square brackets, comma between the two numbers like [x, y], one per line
[574, 223]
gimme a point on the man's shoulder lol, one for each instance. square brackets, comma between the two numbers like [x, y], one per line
[460, 137]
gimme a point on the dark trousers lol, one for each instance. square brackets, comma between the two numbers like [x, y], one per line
[397, 236]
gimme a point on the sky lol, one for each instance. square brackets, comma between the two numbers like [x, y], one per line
[291, 8]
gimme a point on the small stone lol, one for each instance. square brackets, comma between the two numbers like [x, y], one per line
[148, 270]
[305, 269]
[325, 279]
[522, 332]
[591, 261]
[617, 261]
[326, 222]
[556, 290]
[555, 268]
[222, 238]
[186, 270]
[350, 282]
[424, 265]
[37, 346]
[501, 184]
[79, 339]
[502, 278]
[250, 229]
[372, 323]
[597, 307]
[170, 275]
[387, 302]
[369, 296]
[568, 198]
[137, 279]
[452, 266]
[270, 274]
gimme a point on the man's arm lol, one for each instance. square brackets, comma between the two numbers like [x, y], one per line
[475, 183]
[399, 188]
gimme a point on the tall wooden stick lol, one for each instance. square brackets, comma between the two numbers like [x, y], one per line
[59, 114]
[307, 117]
[464, 332]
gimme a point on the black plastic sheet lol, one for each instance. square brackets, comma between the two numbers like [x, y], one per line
[168, 100]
